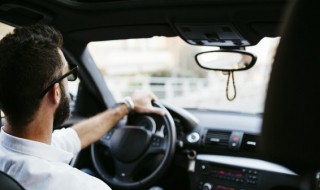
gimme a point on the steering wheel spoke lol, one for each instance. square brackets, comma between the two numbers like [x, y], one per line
[106, 139]
[158, 144]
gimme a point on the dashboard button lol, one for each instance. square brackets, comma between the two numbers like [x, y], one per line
[207, 186]
[193, 137]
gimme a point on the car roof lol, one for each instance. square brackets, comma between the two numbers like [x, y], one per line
[88, 20]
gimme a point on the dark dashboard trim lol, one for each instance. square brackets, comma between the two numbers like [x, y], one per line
[228, 121]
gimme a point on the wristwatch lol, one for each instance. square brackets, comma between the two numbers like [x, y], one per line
[128, 102]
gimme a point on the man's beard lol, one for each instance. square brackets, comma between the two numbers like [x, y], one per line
[63, 111]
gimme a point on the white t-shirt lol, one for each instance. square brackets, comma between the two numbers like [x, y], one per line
[39, 166]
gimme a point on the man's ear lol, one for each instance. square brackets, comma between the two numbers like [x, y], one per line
[56, 93]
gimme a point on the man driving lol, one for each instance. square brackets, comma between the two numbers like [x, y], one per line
[34, 98]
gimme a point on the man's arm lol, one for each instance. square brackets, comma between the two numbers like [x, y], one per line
[92, 129]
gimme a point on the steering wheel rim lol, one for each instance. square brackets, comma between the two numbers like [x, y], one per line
[121, 181]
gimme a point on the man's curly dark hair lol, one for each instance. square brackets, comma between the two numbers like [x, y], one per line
[29, 60]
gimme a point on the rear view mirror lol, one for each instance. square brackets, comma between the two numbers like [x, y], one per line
[226, 60]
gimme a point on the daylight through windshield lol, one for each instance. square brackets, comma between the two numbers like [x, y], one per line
[168, 68]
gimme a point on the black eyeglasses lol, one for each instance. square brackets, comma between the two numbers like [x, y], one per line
[71, 75]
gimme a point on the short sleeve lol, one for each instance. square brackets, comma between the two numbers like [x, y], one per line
[66, 139]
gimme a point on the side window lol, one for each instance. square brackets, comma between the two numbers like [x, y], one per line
[73, 92]
[4, 30]
[73, 87]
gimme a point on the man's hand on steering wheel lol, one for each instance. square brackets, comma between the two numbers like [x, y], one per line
[142, 100]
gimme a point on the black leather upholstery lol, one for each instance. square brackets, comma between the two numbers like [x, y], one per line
[8, 183]
[291, 125]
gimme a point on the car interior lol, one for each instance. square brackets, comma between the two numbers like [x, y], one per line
[269, 142]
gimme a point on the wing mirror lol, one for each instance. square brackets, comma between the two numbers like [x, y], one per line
[226, 60]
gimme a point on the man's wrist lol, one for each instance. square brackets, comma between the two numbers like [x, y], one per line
[129, 103]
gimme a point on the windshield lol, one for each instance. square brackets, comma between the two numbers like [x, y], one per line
[168, 68]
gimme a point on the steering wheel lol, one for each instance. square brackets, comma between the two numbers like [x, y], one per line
[136, 154]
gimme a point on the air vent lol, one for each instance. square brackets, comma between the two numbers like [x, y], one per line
[219, 139]
[249, 143]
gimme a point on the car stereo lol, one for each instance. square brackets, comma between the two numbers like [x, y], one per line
[217, 177]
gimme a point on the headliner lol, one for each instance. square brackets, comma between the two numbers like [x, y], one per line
[105, 20]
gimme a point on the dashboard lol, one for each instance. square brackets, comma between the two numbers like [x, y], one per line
[223, 152]
[218, 151]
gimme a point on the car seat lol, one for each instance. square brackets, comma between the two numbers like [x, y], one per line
[8, 183]
[291, 121]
